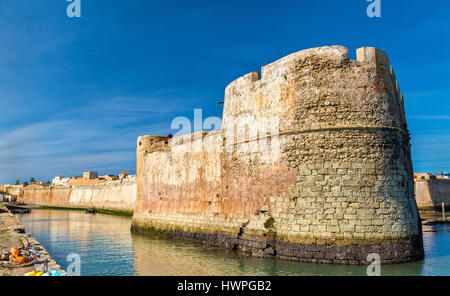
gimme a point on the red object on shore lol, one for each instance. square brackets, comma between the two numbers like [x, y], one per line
[170, 136]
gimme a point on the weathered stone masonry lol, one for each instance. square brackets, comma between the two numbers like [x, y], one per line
[340, 188]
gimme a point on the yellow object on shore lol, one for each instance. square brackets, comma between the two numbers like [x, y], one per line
[34, 273]
[15, 256]
[18, 259]
[14, 252]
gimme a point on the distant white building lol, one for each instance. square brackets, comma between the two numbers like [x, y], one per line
[60, 180]
[123, 175]
[9, 198]
[443, 175]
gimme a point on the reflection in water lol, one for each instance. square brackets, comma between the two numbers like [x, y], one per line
[173, 257]
[107, 247]
[436, 241]
[102, 241]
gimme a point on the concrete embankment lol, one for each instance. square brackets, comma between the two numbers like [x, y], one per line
[115, 196]
[12, 235]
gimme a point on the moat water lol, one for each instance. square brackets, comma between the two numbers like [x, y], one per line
[107, 247]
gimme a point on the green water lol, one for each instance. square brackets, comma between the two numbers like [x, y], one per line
[107, 247]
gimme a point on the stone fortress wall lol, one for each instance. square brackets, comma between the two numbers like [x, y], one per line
[431, 191]
[118, 196]
[336, 185]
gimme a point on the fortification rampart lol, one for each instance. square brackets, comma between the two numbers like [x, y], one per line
[432, 192]
[335, 185]
[116, 196]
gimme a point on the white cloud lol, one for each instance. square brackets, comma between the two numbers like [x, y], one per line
[429, 117]
[101, 136]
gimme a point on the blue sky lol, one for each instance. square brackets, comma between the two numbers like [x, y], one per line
[76, 93]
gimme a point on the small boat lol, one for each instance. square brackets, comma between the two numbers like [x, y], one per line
[20, 211]
[91, 211]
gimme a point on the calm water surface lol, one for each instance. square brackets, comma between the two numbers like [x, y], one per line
[107, 247]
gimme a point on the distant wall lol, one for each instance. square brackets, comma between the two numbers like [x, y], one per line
[114, 195]
[117, 195]
[83, 181]
[432, 192]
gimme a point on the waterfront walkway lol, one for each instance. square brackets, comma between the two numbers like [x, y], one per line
[12, 235]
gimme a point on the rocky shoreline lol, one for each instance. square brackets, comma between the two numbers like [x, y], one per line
[12, 235]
